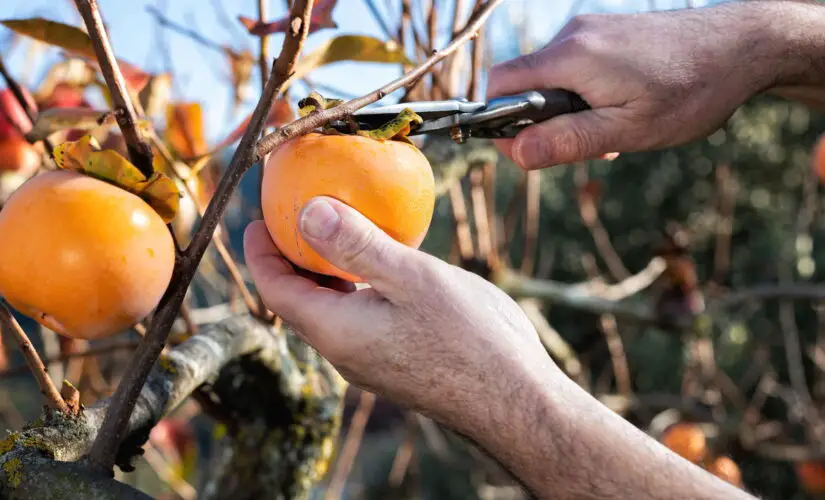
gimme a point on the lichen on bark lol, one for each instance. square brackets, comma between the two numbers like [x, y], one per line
[282, 411]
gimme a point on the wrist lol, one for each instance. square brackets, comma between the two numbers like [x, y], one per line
[783, 41]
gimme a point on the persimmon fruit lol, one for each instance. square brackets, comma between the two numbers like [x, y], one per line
[818, 158]
[725, 468]
[82, 257]
[388, 181]
[687, 440]
[18, 155]
[811, 475]
[13, 118]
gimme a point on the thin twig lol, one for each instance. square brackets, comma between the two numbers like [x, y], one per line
[38, 369]
[263, 55]
[480, 214]
[531, 221]
[615, 346]
[320, 118]
[166, 473]
[464, 238]
[65, 356]
[104, 450]
[182, 30]
[139, 151]
[590, 217]
[355, 434]
[726, 192]
[382, 23]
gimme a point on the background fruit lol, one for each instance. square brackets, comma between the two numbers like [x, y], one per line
[726, 468]
[18, 155]
[687, 440]
[83, 257]
[818, 158]
[13, 118]
[812, 476]
[389, 182]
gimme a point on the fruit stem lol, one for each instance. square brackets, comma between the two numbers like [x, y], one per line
[53, 398]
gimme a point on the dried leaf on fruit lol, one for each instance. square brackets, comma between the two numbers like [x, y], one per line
[85, 156]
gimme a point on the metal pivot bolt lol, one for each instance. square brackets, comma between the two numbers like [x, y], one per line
[457, 135]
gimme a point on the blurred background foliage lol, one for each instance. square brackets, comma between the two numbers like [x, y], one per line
[752, 179]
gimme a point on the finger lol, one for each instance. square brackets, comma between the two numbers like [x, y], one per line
[570, 138]
[295, 298]
[351, 242]
[526, 72]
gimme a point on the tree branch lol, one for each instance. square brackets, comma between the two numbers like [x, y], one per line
[314, 120]
[38, 369]
[189, 365]
[103, 452]
[139, 151]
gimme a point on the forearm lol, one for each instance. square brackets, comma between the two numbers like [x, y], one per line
[788, 42]
[562, 443]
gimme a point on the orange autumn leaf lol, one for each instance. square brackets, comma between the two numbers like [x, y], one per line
[185, 130]
[73, 40]
[320, 18]
[280, 114]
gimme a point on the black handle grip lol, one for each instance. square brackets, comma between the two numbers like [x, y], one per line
[547, 104]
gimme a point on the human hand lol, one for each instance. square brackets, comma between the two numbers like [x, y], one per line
[653, 80]
[426, 334]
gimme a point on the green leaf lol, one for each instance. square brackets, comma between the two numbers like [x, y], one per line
[357, 48]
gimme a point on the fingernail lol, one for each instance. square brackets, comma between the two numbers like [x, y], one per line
[319, 220]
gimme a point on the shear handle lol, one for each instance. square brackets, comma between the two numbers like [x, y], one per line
[535, 105]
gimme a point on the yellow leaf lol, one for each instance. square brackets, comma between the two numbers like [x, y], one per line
[184, 129]
[54, 33]
[85, 155]
[358, 48]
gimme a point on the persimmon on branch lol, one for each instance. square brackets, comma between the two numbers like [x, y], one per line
[315, 120]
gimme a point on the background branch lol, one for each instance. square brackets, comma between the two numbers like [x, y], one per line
[13, 329]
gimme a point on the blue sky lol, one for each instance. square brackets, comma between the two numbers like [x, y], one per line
[202, 72]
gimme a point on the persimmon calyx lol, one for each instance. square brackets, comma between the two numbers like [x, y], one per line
[396, 129]
[316, 102]
[85, 156]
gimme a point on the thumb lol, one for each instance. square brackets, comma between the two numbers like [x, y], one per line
[351, 242]
[568, 138]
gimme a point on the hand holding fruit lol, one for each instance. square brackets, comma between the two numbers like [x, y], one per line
[422, 323]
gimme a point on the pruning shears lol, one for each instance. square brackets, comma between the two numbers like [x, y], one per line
[500, 117]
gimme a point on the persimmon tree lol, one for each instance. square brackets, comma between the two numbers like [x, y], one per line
[211, 349]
